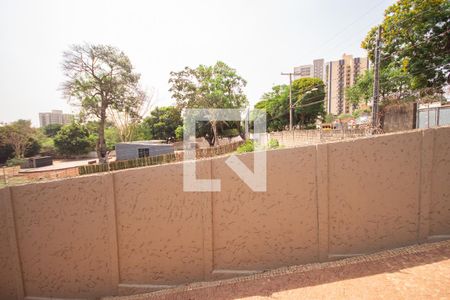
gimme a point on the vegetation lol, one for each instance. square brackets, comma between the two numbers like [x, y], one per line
[308, 95]
[18, 140]
[414, 54]
[208, 87]
[276, 105]
[133, 163]
[307, 98]
[101, 79]
[51, 130]
[248, 146]
[15, 162]
[416, 42]
[273, 144]
[163, 123]
[73, 139]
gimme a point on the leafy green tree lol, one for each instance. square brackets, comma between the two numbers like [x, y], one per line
[416, 39]
[179, 133]
[112, 137]
[208, 87]
[101, 78]
[309, 98]
[21, 136]
[73, 139]
[276, 105]
[6, 149]
[33, 147]
[162, 122]
[52, 129]
[394, 82]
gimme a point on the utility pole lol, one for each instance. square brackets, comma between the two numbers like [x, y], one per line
[376, 80]
[290, 99]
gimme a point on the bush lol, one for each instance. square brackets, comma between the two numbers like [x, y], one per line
[179, 133]
[73, 139]
[6, 152]
[273, 144]
[15, 162]
[33, 148]
[248, 146]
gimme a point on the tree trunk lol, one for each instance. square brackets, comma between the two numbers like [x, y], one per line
[214, 128]
[101, 144]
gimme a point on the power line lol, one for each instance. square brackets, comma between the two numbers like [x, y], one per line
[322, 46]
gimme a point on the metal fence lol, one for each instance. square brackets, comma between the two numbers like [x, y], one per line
[433, 116]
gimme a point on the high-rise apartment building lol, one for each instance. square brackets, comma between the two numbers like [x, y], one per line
[316, 70]
[303, 71]
[339, 75]
[54, 117]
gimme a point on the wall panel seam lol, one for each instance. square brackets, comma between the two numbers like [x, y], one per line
[317, 200]
[114, 238]
[14, 246]
[419, 208]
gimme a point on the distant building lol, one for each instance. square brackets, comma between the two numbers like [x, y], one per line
[139, 149]
[316, 70]
[303, 71]
[336, 75]
[339, 75]
[319, 68]
[54, 117]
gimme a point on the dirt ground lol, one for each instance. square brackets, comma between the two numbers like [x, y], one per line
[417, 272]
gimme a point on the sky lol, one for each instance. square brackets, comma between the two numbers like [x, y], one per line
[259, 38]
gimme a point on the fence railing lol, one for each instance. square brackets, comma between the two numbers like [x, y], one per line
[305, 137]
[433, 116]
[157, 160]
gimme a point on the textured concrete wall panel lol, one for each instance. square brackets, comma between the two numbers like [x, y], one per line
[7, 268]
[262, 230]
[373, 193]
[440, 195]
[62, 232]
[160, 231]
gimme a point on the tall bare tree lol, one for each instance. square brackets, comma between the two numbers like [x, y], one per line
[126, 121]
[101, 78]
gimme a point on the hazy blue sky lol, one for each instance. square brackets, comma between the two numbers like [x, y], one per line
[258, 38]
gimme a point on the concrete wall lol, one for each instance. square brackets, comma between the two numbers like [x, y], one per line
[136, 230]
[399, 117]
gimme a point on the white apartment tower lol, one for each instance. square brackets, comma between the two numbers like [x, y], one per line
[316, 70]
[54, 117]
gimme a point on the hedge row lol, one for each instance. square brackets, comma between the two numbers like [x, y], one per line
[126, 164]
[156, 160]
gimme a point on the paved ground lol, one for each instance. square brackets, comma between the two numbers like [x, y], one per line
[417, 272]
[59, 165]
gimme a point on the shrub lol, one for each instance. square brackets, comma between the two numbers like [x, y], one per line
[73, 139]
[15, 162]
[248, 146]
[273, 144]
